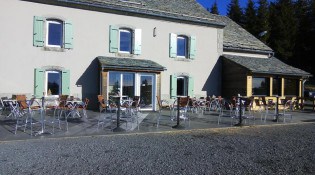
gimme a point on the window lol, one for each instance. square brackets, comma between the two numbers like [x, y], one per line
[58, 34]
[276, 86]
[125, 40]
[51, 82]
[54, 33]
[182, 85]
[291, 87]
[261, 86]
[182, 46]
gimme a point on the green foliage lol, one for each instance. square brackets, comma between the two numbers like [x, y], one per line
[250, 19]
[262, 24]
[214, 8]
[235, 12]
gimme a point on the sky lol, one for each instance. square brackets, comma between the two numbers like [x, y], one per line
[222, 4]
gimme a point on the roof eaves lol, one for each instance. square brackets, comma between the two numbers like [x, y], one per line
[197, 20]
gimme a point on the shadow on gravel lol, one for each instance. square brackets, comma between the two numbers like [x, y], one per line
[312, 120]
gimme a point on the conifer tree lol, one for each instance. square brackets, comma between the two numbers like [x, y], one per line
[235, 12]
[214, 8]
[262, 23]
[283, 29]
[250, 20]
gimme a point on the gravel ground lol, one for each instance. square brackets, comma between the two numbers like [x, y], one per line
[276, 149]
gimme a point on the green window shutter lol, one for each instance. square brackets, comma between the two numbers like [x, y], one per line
[173, 45]
[68, 36]
[113, 38]
[137, 42]
[192, 48]
[38, 82]
[38, 27]
[191, 86]
[65, 82]
[173, 87]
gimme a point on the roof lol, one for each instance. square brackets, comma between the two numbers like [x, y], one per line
[237, 38]
[266, 66]
[183, 10]
[129, 64]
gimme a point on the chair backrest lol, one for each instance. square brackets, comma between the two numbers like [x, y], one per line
[159, 101]
[183, 101]
[257, 102]
[86, 103]
[101, 101]
[22, 101]
[136, 101]
[263, 100]
[63, 100]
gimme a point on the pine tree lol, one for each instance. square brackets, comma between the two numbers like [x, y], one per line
[235, 12]
[262, 24]
[250, 19]
[302, 50]
[214, 8]
[283, 29]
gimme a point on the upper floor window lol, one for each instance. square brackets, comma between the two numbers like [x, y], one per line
[182, 46]
[52, 33]
[124, 40]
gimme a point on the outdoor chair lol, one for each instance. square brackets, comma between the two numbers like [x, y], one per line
[268, 106]
[162, 104]
[284, 113]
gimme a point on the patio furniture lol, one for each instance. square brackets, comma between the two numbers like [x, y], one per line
[162, 104]
[104, 106]
[287, 107]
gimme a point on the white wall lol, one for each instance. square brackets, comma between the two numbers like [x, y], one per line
[18, 57]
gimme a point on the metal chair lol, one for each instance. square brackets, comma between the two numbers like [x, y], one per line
[287, 107]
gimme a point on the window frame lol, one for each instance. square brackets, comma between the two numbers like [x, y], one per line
[46, 82]
[54, 21]
[266, 89]
[131, 40]
[184, 37]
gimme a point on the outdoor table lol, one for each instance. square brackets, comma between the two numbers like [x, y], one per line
[178, 126]
[42, 118]
[240, 122]
[277, 109]
[117, 101]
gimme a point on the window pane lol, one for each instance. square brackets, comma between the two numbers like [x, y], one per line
[290, 87]
[261, 86]
[181, 46]
[128, 84]
[55, 34]
[114, 83]
[53, 83]
[276, 86]
[182, 86]
[146, 91]
[125, 41]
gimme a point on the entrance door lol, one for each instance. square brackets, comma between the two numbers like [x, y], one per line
[146, 92]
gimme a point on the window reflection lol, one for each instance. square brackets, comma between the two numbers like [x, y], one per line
[261, 86]
[290, 87]
[182, 46]
[125, 40]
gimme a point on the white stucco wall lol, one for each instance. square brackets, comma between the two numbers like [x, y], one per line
[18, 56]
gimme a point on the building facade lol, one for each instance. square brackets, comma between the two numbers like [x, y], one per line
[83, 48]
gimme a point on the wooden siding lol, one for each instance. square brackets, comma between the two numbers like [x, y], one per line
[234, 79]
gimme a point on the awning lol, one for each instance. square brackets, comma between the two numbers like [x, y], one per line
[266, 66]
[129, 64]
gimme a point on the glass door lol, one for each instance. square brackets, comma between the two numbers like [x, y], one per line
[146, 92]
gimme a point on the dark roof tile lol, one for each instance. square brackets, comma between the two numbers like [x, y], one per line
[266, 65]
